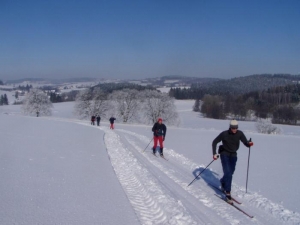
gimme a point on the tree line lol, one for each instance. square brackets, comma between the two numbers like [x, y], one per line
[127, 105]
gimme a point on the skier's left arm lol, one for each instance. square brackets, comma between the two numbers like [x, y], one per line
[245, 141]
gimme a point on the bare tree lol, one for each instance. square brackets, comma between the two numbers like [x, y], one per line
[36, 102]
[212, 107]
[91, 102]
[157, 105]
[126, 103]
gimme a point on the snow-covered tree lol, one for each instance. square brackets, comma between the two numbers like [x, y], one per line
[126, 103]
[266, 127]
[196, 106]
[156, 104]
[36, 102]
[91, 102]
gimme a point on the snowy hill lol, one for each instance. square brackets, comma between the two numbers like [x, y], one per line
[60, 170]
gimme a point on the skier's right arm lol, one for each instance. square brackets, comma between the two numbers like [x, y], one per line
[154, 128]
[215, 142]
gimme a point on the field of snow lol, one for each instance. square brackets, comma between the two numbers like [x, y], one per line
[60, 170]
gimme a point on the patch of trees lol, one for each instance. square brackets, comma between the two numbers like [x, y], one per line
[3, 100]
[278, 103]
[110, 87]
[55, 98]
[25, 88]
[1, 82]
[127, 105]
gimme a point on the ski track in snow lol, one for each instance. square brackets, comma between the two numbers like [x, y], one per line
[179, 167]
[152, 205]
[169, 200]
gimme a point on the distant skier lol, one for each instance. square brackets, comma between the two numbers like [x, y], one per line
[159, 133]
[98, 120]
[93, 118]
[112, 121]
[228, 150]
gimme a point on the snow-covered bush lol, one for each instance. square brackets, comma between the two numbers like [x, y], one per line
[266, 127]
[36, 102]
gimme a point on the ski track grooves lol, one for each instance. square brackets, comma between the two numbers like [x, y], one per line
[179, 167]
[144, 192]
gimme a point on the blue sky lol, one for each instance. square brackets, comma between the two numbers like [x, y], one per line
[141, 39]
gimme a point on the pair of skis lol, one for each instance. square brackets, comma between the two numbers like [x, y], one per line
[233, 199]
[162, 156]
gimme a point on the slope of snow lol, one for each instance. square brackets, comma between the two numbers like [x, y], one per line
[80, 172]
[55, 172]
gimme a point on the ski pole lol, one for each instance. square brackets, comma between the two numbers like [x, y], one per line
[201, 172]
[148, 145]
[248, 166]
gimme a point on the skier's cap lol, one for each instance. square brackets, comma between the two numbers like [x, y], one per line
[234, 124]
[159, 119]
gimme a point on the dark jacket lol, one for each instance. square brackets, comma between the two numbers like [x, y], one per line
[98, 118]
[159, 129]
[112, 119]
[230, 142]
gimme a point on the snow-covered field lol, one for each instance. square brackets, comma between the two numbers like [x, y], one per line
[60, 170]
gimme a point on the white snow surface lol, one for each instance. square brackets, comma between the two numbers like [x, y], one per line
[60, 170]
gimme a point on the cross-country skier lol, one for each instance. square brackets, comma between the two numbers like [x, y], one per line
[112, 121]
[98, 120]
[228, 151]
[93, 120]
[159, 131]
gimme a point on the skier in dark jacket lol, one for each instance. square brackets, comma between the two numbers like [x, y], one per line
[98, 120]
[112, 121]
[228, 150]
[159, 133]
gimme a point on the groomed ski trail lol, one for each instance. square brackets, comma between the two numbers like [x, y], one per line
[149, 195]
[179, 170]
[151, 203]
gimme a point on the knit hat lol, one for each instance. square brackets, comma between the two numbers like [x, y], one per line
[233, 124]
[159, 119]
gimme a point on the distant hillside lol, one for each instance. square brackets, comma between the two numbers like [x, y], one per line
[17, 81]
[53, 81]
[241, 85]
[176, 81]
[235, 86]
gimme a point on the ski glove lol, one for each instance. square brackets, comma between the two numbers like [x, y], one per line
[250, 143]
[163, 138]
[215, 156]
